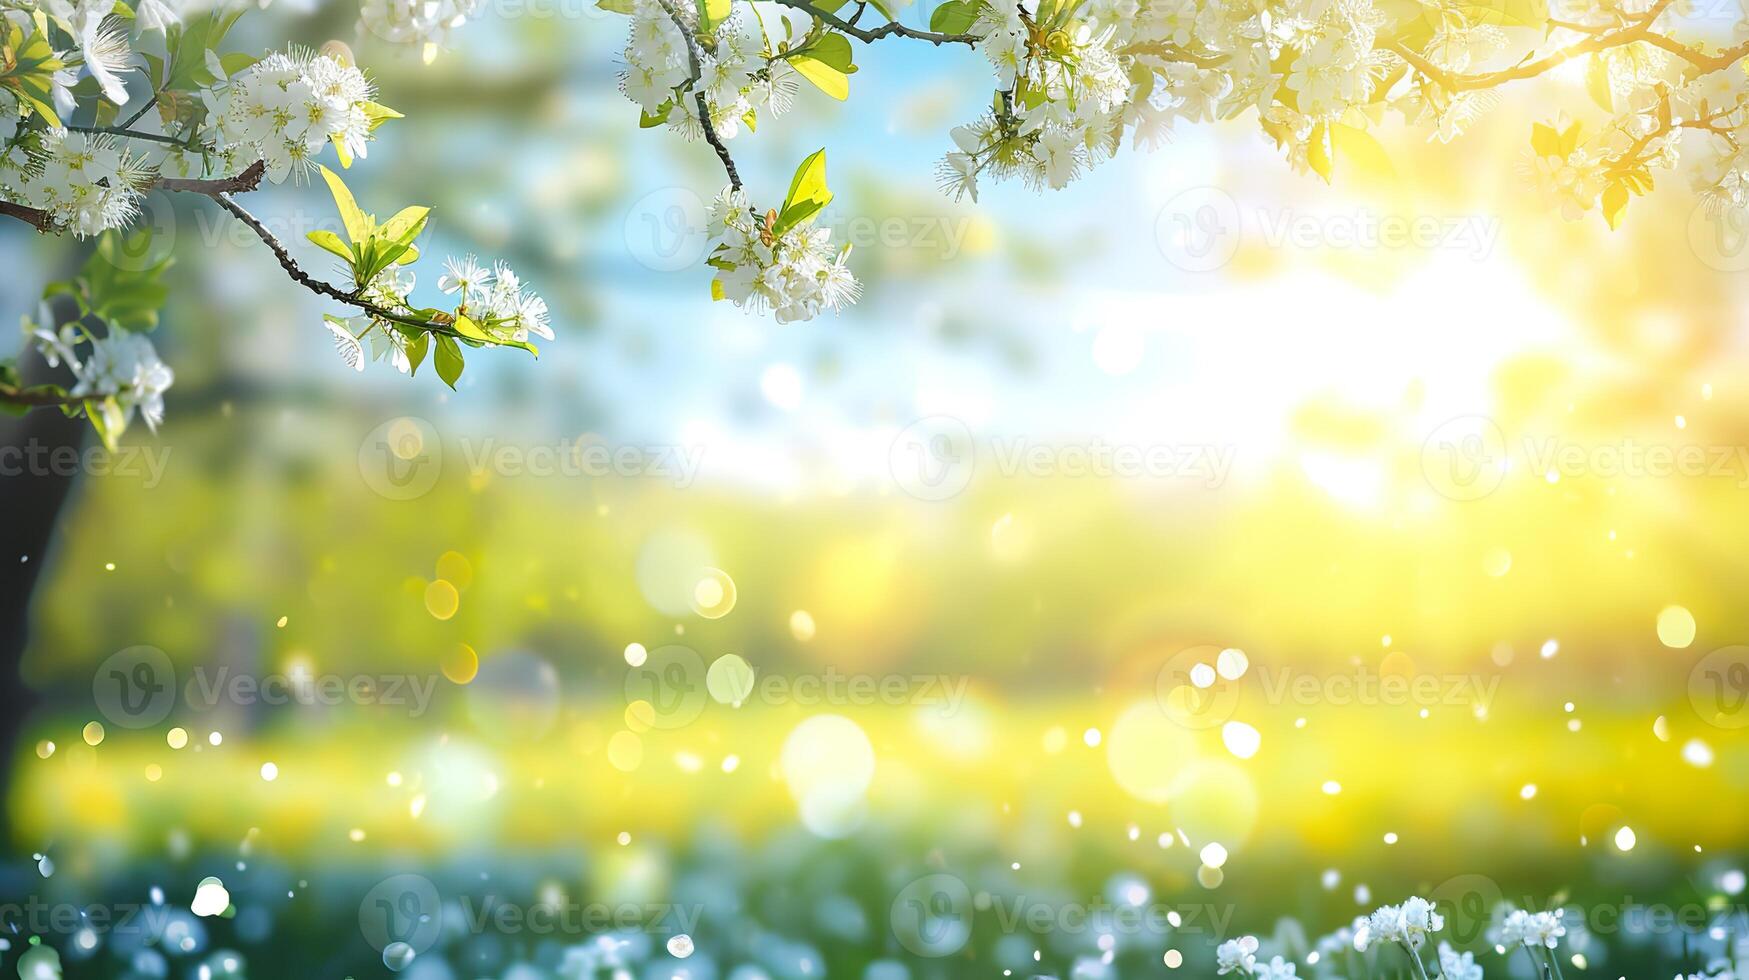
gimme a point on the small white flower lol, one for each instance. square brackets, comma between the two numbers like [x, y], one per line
[346, 343]
[104, 45]
[463, 274]
[126, 366]
[54, 345]
[1236, 954]
[1458, 966]
[1277, 969]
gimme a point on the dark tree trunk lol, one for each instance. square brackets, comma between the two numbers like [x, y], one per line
[31, 499]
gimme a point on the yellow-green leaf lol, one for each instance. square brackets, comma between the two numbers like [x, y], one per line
[94, 411]
[358, 224]
[1615, 201]
[326, 239]
[471, 330]
[406, 224]
[808, 193]
[1318, 152]
[713, 12]
[825, 77]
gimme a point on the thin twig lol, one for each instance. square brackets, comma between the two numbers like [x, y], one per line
[127, 133]
[149, 103]
[35, 217]
[693, 57]
[304, 279]
[220, 190]
[1597, 39]
[890, 29]
[29, 398]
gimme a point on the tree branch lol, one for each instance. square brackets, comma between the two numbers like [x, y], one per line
[35, 217]
[891, 28]
[1597, 39]
[248, 180]
[36, 397]
[127, 133]
[220, 190]
[314, 285]
[693, 57]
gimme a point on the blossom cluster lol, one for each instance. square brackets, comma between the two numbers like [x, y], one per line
[87, 183]
[495, 299]
[1066, 91]
[284, 108]
[1072, 81]
[794, 273]
[735, 80]
[121, 371]
[1240, 956]
[1408, 924]
[1522, 928]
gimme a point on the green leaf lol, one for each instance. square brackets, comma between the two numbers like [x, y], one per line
[833, 50]
[827, 63]
[808, 194]
[448, 360]
[417, 346]
[325, 239]
[94, 411]
[358, 224]
[617, 6]
[236, 61]
[121, 283]
[954, 17]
